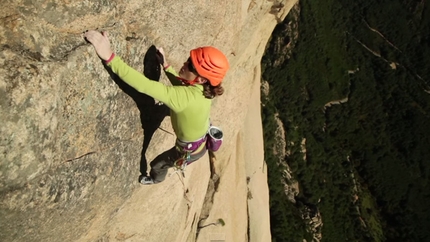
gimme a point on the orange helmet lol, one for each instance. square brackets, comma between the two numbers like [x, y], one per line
[210, 63]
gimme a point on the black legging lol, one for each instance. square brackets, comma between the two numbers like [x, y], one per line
[166, 160]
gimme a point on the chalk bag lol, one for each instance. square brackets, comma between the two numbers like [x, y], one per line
[214, 138]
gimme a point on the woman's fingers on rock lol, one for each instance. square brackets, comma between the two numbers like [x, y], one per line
[161, 50]
[95, 37]
[105, 34]
[91, 34]
[88, 35]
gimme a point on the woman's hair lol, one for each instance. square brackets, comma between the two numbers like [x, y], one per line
[211, 92]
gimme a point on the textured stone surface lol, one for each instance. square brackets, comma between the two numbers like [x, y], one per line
[71, 139]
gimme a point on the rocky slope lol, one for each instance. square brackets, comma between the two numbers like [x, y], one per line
[71, 137]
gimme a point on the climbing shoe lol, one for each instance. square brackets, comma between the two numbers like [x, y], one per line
[146, 180]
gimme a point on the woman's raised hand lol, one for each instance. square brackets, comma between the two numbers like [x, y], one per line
[101, 43]
[161, 57]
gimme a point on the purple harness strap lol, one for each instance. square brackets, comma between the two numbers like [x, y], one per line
[190, 146]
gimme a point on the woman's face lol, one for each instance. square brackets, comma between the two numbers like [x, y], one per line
[188, 72]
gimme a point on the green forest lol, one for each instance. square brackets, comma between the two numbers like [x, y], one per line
[367, 165]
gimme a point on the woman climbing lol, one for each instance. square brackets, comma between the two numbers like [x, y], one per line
[189, 99]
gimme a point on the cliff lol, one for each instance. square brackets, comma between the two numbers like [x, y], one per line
[72, 136]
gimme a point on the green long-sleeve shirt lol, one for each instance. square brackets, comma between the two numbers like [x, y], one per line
[189, 109]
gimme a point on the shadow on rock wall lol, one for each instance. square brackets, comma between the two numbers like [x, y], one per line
[151, 113]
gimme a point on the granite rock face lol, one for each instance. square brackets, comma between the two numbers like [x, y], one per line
[71, 135]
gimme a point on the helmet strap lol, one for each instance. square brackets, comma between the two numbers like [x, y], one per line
[188, 82]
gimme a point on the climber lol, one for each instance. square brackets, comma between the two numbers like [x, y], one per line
[189, 99]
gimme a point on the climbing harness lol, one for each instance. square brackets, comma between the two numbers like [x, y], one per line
[212, 141]
[181, 163]
[186, 149]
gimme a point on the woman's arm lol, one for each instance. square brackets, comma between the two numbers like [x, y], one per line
[176, 98]
[172, 75]
[170, 72]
